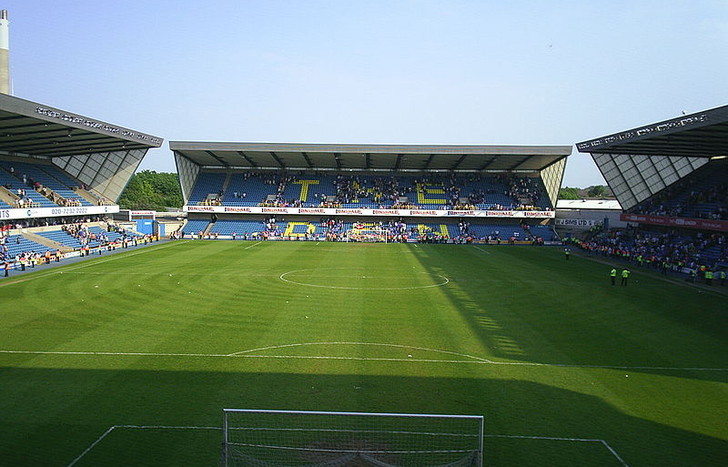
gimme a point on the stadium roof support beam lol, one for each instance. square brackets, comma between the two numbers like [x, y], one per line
[428, 161]
[212, 154]
[487, 164]
[278, 160]
[367, 161]
[518, 164]
[307, 159]
[459, 161]
[337, 158]
[398, 161]
[247, 159]
[33, 146]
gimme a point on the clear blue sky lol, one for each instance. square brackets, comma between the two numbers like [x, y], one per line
[370, 71]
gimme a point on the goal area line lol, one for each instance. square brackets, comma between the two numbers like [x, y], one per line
[112, 428]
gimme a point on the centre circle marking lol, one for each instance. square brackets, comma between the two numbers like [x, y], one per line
[443, 281]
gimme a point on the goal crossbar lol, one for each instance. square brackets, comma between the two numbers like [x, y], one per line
[323, 438]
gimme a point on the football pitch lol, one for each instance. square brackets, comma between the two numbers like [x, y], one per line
[129, 359]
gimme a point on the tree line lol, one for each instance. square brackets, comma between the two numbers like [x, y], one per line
[592, 192]
[150, 190]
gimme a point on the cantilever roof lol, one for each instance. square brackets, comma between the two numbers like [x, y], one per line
[294, 156]
[35, 129]
[702, 134]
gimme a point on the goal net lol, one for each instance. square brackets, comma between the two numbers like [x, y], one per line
[267, 438]
[366, 235]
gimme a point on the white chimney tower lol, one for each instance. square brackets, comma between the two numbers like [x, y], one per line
[4, 53]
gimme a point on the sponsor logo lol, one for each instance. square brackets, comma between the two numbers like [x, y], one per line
[423, 213]
[386, 212]
[500, 213]
[349, 211]
[237, 209]
[201, 208]
[311, 211]
[279, 210]
[96, 125]
[461, 213]
[576, 222]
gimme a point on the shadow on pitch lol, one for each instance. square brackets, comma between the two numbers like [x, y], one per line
[50, 416]
[559, 312]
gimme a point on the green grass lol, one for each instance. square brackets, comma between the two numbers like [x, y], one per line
[642, 367]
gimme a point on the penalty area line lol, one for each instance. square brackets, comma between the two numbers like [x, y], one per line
[138, 427]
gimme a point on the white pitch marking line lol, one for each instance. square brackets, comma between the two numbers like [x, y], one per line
[86, 451]
[550, 438]
[113, 354]
[484, 251]
[139, 427]
[251, 246]
[283, 278]
[121, 256]
[171, 427]
[91, 263]
[399, 346]
[476, 360]
[174, 274]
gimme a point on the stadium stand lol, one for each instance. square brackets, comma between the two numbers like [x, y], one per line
[24, 195]
[44, 177]
[336, 229]
[239, 227]
[194, 226]
[369, 191]
[78, 235]
[665, 251]
[209, 188]
[17, 244]
[701, 195]
[670, 178]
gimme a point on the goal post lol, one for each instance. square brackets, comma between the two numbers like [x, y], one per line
[312, 438]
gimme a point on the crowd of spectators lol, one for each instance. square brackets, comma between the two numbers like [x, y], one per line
[669, 251]
[396, 192]
[68, 202]
[22, 200]
[523, 190]
[702, 197]
[82, 233]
